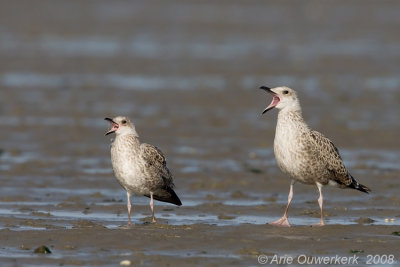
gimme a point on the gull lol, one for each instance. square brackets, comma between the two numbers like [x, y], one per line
[140, 168]
[303, 154]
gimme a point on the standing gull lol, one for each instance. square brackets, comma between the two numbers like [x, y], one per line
[140, 168]
[303, 154]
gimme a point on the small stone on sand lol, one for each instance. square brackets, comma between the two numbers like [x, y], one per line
[125, 263]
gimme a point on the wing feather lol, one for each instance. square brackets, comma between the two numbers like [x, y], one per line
[328, 153]
[156, 163]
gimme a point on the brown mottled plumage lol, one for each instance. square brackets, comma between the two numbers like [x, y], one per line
[305, 155]
[155, 165]
[140, 168]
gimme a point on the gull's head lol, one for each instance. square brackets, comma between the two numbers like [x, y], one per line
[121, 125]
[282, 97]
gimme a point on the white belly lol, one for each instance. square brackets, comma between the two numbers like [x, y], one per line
[128, 172]
[292, 155]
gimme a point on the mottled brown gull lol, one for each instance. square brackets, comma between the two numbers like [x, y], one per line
[303, 154]
[139, 167]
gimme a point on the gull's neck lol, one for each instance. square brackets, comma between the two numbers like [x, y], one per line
[127, 139]
[128, 132]
[291, 115]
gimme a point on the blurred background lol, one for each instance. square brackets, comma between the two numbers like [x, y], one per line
[187, 73]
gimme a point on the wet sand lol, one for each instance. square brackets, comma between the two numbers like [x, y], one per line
[197, 244]
[187, 74]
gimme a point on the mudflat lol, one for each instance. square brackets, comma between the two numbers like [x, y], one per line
[187, 74]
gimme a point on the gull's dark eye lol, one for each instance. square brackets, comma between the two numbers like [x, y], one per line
[285, 92]
[124, 122]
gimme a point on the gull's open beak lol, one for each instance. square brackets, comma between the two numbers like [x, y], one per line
[275, 99]
[114, 126]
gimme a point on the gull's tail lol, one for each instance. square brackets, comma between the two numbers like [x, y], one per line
[168, 195]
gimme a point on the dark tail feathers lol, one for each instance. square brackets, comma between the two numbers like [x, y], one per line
[167, 195]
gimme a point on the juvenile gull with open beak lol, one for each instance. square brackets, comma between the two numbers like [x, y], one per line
[139, 167]
[303, 154]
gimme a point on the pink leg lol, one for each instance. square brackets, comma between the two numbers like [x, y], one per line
[284, 220]
[129, 205]
[153, 219]
[320, 202]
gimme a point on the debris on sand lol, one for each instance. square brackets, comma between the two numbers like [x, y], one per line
[42, 249]
[364, 220]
